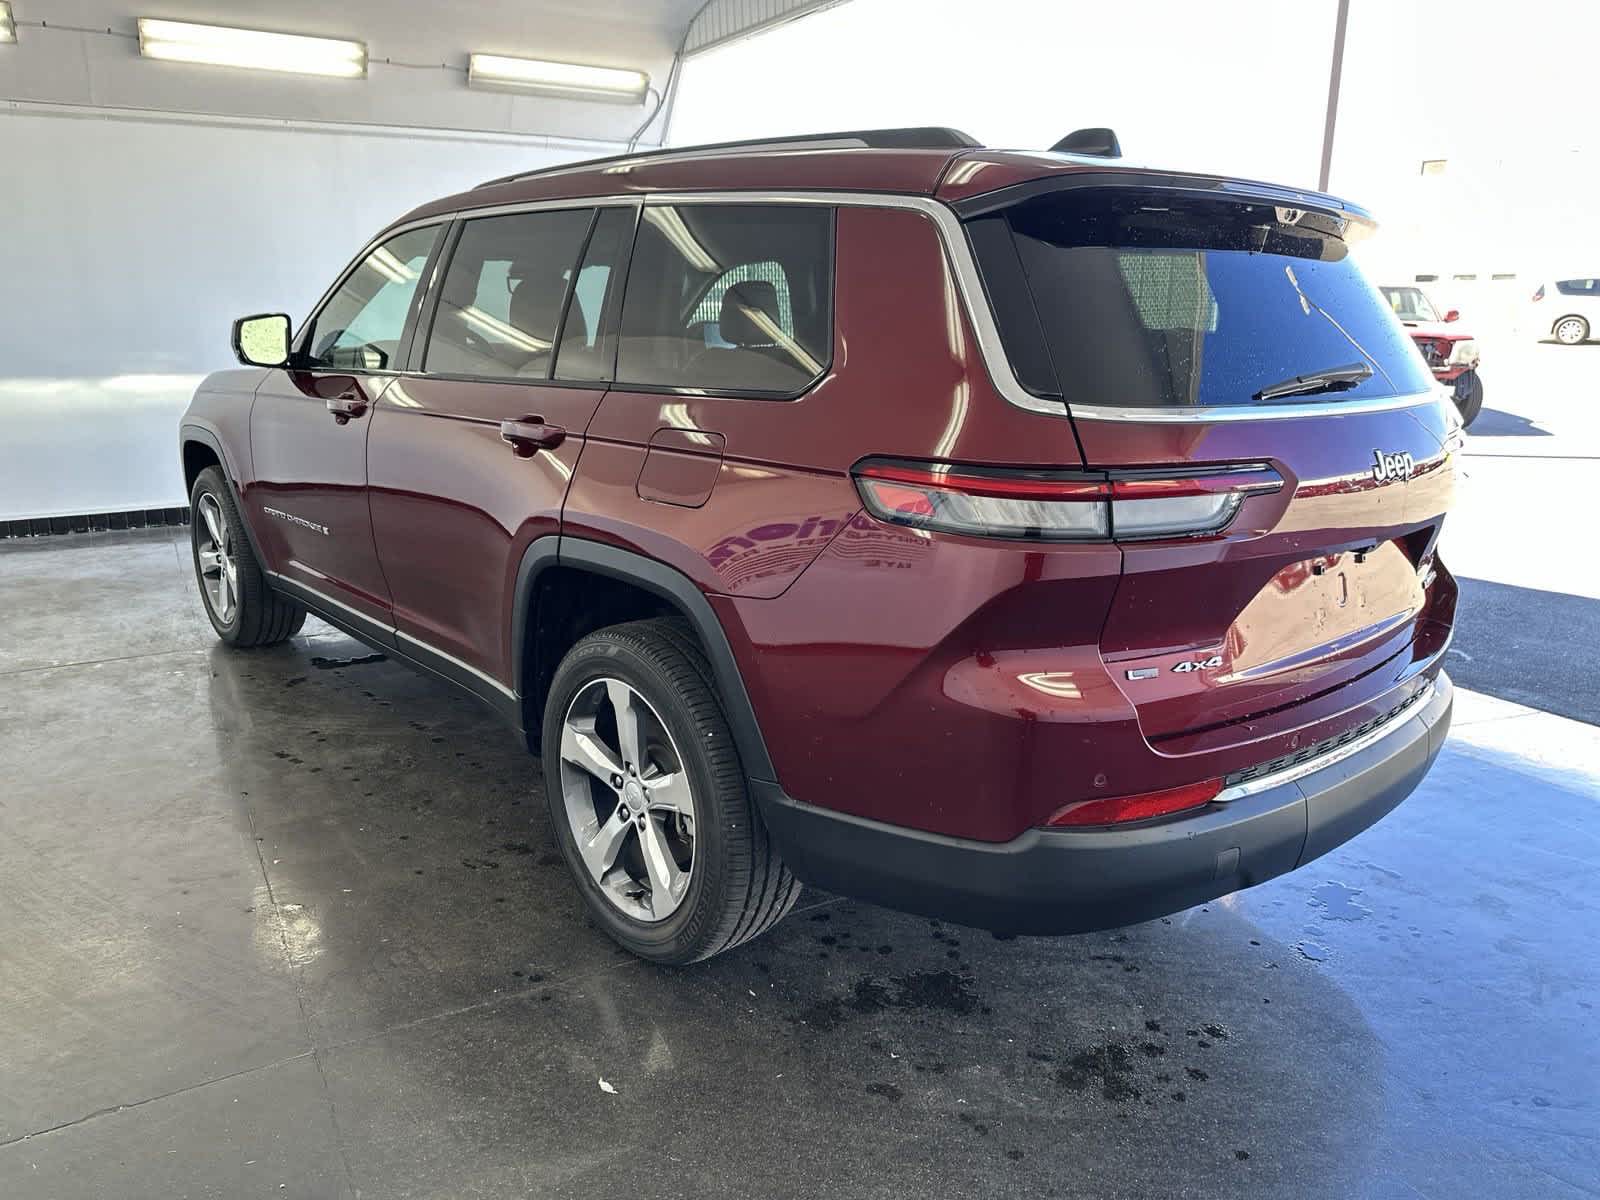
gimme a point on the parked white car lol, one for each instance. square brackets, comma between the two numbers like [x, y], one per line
[1567, 309]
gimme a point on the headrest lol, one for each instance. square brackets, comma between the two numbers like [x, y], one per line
[536, 306]
[746, 308]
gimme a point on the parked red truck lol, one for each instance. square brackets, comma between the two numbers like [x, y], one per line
[1022, 539]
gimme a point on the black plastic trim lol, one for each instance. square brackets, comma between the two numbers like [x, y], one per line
[1052, 881]
[411, 653]
[916, 137]
[678, 590]
[199, 433]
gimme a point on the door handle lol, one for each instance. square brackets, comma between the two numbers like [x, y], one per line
[346, 405]
[529, 435]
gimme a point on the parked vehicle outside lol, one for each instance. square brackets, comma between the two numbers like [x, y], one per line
[1567, 310]
[1451, 354]
[1013, 538]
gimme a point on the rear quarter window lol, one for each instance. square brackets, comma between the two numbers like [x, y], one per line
[729, 298]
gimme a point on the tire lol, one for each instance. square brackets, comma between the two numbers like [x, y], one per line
[256, 615]
[736, 887]
[1469, 397]
[1571, 331]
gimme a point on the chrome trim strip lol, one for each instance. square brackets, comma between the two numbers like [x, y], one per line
[329, 600]
[958, 253]
[401, 636]
[397, 634]
[1337, 755]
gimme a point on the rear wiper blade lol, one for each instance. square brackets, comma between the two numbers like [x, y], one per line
[1330, 379]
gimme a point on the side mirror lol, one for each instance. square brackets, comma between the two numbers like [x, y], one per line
[1453, 315]
[262, 340]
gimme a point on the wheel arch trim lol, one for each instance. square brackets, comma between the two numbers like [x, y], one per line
[671, 585]
[201, 435]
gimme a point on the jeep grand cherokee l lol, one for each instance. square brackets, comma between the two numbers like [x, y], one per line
[1021, 539]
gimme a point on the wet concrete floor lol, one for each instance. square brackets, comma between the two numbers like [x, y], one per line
[290, 923]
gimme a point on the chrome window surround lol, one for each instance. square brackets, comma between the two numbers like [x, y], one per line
[958, 254]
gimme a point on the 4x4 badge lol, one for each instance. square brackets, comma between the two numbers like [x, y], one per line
[1392, 466]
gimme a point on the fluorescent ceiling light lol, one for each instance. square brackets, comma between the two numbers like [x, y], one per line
[218, 45]
[557, 78]
[8, 27]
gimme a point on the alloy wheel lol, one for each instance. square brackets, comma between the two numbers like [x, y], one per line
[629, 804]
[219, 569]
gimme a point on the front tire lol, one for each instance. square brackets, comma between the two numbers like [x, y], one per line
[243, 609]
[649, 800]
[1571, 331]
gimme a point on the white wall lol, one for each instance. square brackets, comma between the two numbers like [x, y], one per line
[145, 204]
[129, 245]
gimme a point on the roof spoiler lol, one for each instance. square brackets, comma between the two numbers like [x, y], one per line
[1097, 143]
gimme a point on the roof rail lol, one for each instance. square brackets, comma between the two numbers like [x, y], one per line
[922, 137]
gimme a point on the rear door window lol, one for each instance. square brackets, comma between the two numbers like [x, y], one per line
[503, 294]
[589, 337]
[729, 298]
[1156, 300]
[1578, 287]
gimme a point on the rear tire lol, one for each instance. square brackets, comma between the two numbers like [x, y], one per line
[737, 887]
[243, 608]
[1469, 400]
[1571, 331]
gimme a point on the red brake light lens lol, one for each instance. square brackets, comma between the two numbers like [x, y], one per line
[1539, 293]
[1059, 505]
[1114, 810]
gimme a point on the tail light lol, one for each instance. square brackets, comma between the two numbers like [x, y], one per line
[1113, 810]
[1060, 505]
[1539, 292]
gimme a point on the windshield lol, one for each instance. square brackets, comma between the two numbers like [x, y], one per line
[1156, 299]
[1410, 304]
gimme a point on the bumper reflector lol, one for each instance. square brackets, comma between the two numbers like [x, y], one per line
[1114, 810]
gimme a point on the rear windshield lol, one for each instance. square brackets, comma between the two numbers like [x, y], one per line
[1155, 299]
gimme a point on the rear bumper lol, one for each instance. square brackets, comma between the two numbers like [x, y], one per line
[1059, 881]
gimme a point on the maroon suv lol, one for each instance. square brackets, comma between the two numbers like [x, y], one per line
[1021, 539]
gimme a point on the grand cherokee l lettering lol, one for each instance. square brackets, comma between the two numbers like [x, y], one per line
[1016, 538]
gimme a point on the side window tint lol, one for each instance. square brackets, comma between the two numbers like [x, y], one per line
[588, 340]
[709, 313]
[503, 293]
[729, 297]
[359, 328]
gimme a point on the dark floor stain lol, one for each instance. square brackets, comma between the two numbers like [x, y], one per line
[1152, 1049]
[1104, 1067]
[333, 664]
[1241, 1155]
[517, 848]
[1180, 1097]
[887, 1090]
[1196, 1074]
[1014, 1155]
[940, 991]
[1153, 1026]
[1219, 1032]
[295, 682]
[473, 864]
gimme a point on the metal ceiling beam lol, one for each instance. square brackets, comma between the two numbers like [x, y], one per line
[720, 22]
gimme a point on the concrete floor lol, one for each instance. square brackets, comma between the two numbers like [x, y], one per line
[287, 924]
